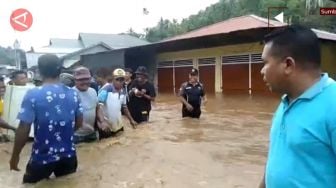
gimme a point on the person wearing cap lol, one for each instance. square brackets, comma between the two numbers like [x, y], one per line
[89, 100]
[56, 113]
[141, 94]
[191, 95]
[67, 79]
[112, 99]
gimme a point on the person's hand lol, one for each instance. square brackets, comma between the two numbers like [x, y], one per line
[134, 124]
[103, 126]
[205, 101]
[13, 129]
[13, 163]
[189, 107]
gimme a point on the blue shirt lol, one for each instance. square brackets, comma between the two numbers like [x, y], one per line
[302, 150]
[105, 90]
[53, 109]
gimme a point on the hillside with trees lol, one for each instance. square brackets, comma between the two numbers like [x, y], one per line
[298, 11]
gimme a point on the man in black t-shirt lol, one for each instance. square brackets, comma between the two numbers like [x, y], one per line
[191, 95]
[140, 96]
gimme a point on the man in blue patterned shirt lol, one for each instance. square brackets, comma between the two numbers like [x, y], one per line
[56, 112]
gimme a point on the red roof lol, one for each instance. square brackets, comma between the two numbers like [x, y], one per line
[230, 25]
[242, 23]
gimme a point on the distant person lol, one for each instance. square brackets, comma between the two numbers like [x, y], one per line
[67, 79]
[93, 83]
[19, 78]
[112, 99]
[3, 124]
[128, 81]
[302, 148]
[103, 76]
[89, 100]
[141, 93]
[192, 94]
[37, 80]
[56, 113]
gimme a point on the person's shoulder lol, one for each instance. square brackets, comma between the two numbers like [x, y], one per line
[200, 84]
[34, 91]
[107, 87]
[92, 91]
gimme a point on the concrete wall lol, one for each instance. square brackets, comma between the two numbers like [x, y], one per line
[329, 58]
[109, 59]
[70, 60]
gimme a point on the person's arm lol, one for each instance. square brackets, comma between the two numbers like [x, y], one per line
[262, 183]
[5, 125]
[102, 97]
[21, 137]
[26, 117]
[151, 93]
[128, 115]
[204, 98]
[79, 114]
[182, 99]
[148, 97]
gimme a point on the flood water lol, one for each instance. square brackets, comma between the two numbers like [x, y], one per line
[226, 148]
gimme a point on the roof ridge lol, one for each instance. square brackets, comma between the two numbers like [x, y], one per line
[207, 26]
[323, 31]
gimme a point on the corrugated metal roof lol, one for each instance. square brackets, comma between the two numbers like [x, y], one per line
[230, 25]
[65, 43]
[242, 23]
[325, 35]
[115, 41]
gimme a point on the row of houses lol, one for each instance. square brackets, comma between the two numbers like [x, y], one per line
[227, 54]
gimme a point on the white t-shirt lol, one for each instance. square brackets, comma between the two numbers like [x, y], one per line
[113, 103]
[89, 101]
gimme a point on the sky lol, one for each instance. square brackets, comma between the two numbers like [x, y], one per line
[66, 18]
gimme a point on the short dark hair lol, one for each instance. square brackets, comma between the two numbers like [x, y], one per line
[104, 72]
[17, 72]
[2, 79]
[298, 42]
[49, 66]
[129, 70]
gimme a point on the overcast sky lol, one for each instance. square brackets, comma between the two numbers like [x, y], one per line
[66, 18]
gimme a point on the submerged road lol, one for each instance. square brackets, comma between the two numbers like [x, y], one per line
[226, 148]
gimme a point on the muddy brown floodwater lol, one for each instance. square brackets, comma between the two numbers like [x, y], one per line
[226, 148]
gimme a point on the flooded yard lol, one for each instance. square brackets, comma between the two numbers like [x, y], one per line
[226, 148]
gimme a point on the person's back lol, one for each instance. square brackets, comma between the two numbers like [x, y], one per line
[54, 106]
[56, 112]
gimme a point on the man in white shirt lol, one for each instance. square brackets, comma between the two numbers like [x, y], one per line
[112, 100]
[89, 100]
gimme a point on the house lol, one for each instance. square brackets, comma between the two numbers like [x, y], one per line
[70, 50]
[227, 54]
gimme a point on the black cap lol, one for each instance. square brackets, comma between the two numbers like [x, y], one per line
[194, 72]
[141, 70]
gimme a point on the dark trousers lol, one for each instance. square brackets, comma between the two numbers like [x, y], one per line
[36, 172]
[140, 116]
[195, 113]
